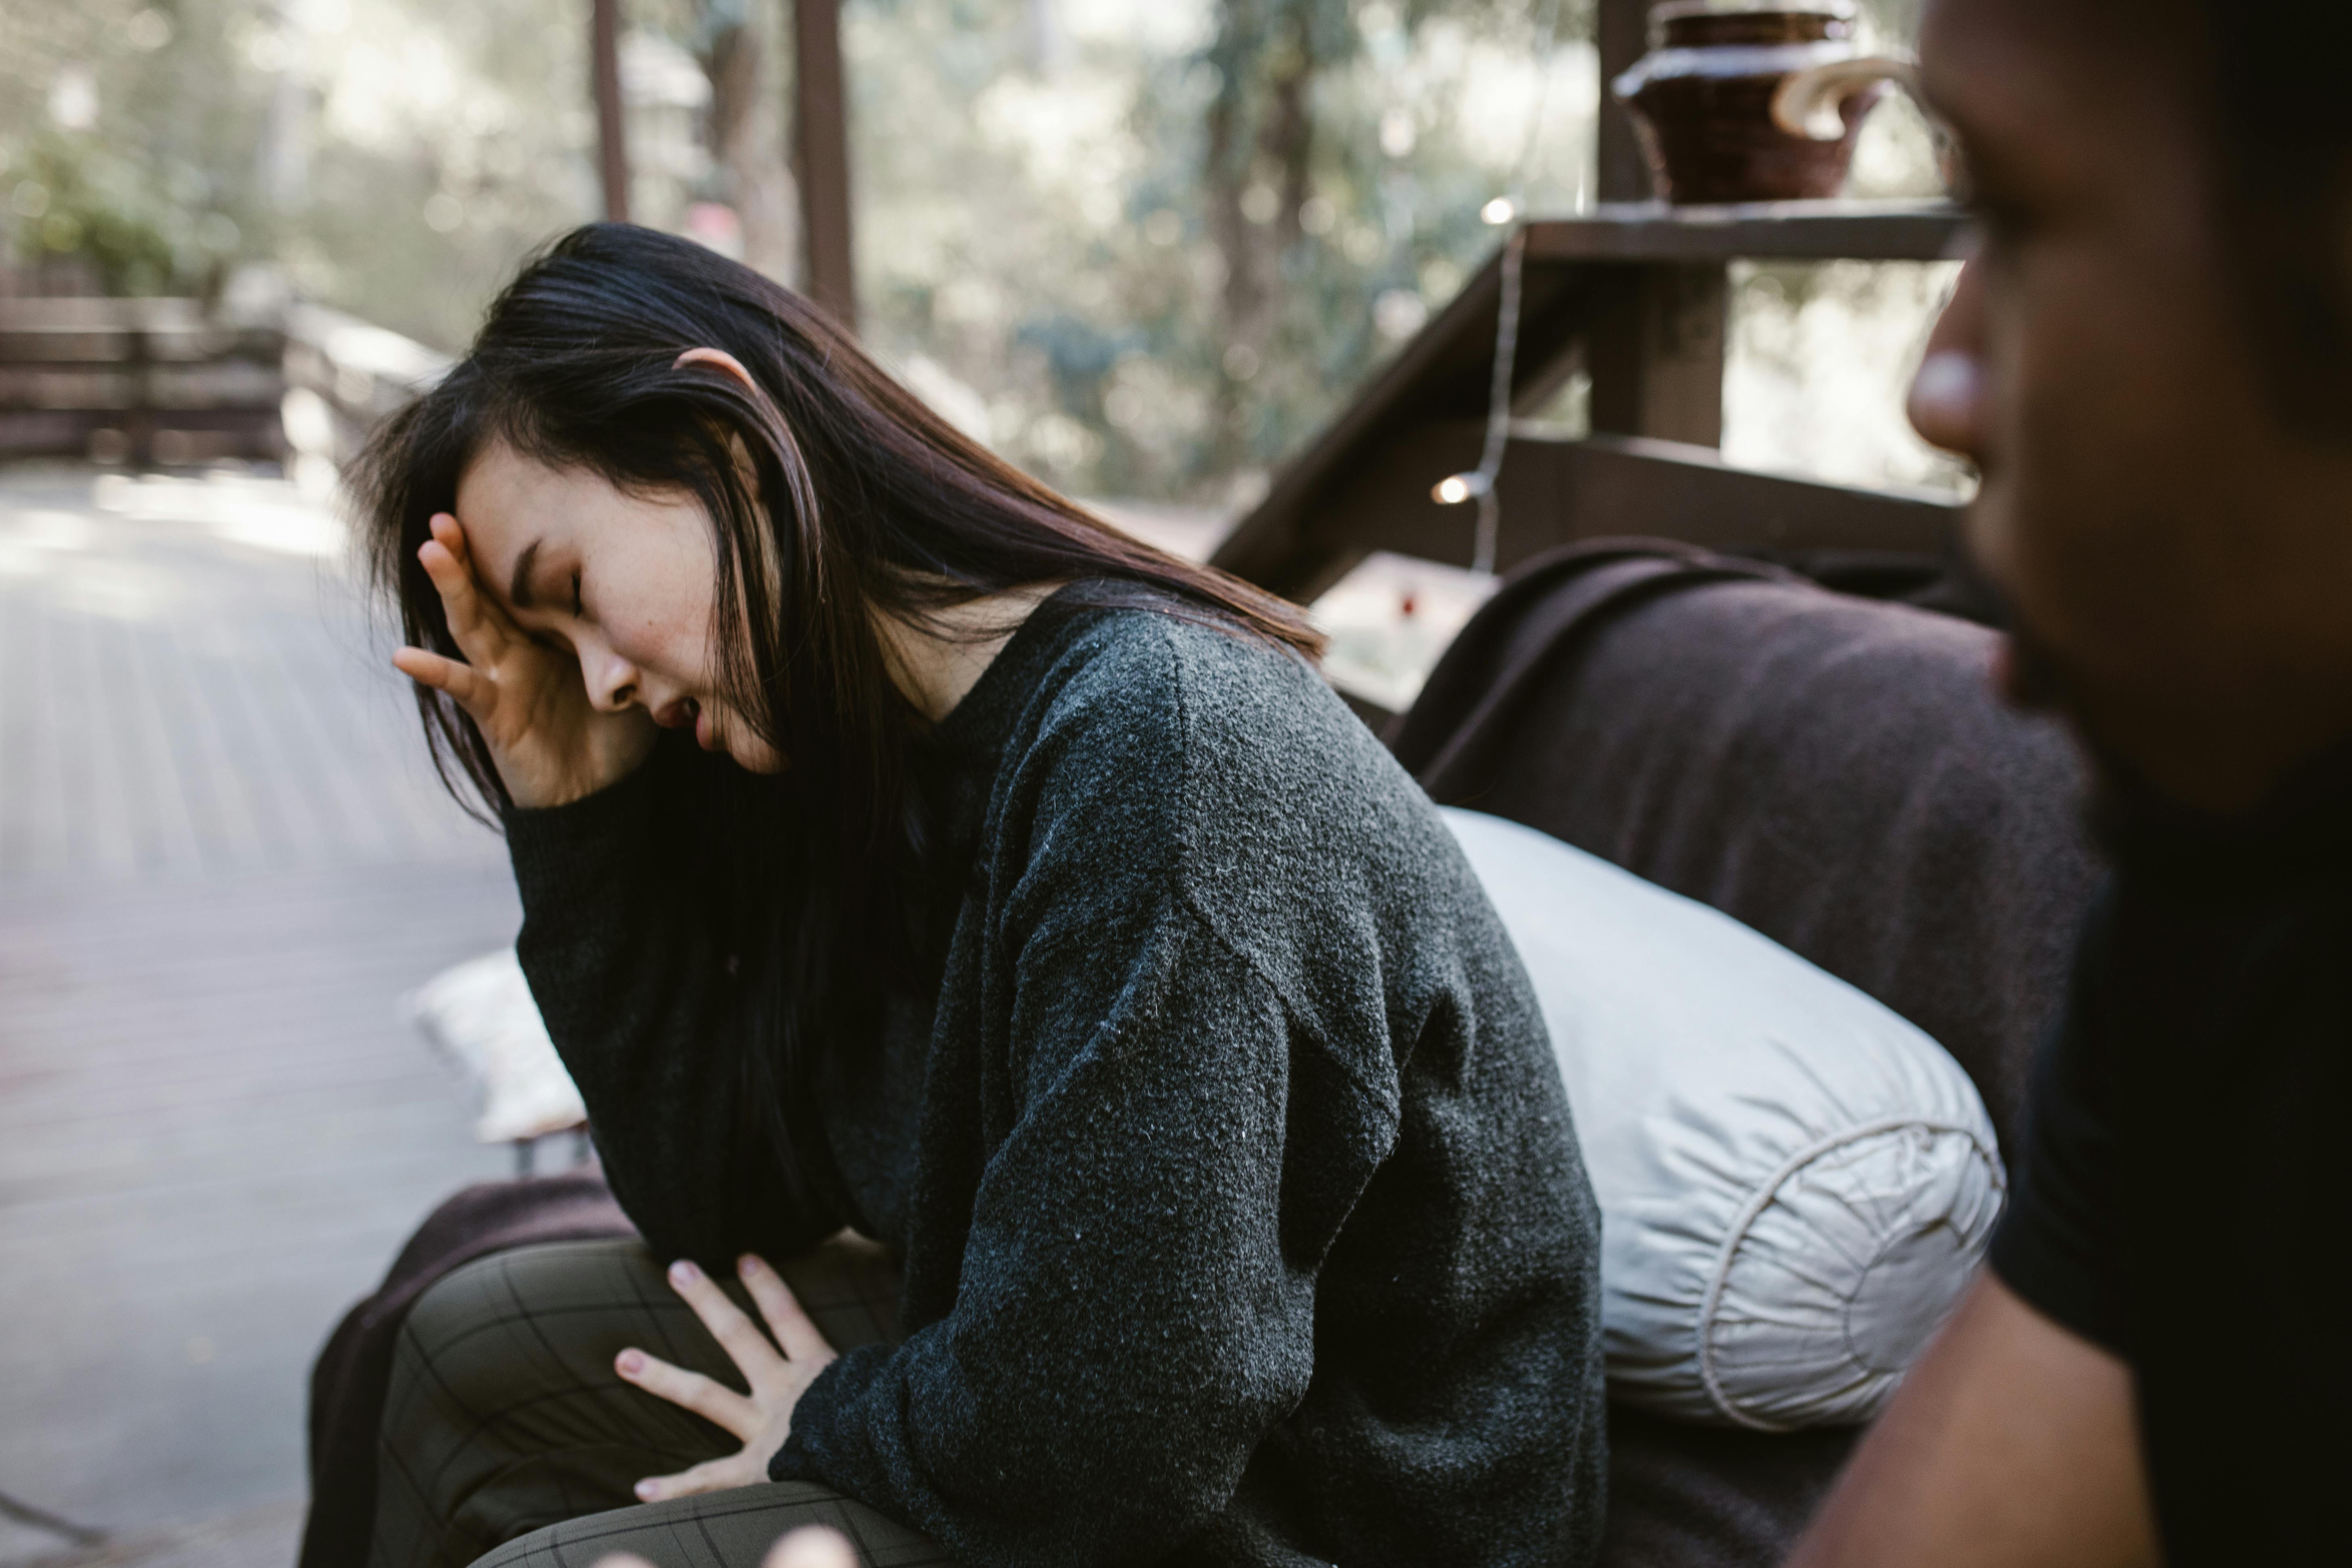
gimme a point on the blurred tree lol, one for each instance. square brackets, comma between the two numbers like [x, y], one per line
[1258, 166]
[1142, 249]
[116, 134]
[739, 44]
[1322, 158]
[70, 200]
[393, 157]
[740, 47]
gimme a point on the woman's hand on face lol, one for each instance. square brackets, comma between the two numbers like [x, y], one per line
[551, 743]
[760, 1419]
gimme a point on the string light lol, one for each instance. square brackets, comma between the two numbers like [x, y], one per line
[1478, 484]
[1456, 488]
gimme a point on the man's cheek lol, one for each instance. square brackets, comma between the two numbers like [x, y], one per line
[1989, 533]
[2024, 534]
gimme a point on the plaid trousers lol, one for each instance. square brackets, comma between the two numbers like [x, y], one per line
[508, 1441]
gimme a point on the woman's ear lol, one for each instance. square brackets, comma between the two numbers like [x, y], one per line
[723, 360]
[734, 367]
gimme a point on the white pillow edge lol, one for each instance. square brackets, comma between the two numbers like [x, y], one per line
[1767, 1193]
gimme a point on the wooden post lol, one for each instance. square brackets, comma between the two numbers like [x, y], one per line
[1656, 351]
[1623, 174]
[821, 157]
[612, 126]
[139, 424]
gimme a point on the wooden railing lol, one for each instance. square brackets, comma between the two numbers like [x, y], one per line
[1637, 295]
[358, 370]
[1631, 294]
[138, 381]
[148, 382]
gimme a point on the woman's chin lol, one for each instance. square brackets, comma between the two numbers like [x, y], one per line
[754, 756]
[713, 733]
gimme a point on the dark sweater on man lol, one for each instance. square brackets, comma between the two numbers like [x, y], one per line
[2181, 1199]
[1241, 1215]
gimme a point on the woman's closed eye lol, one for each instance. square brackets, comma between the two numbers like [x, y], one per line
[555, 641]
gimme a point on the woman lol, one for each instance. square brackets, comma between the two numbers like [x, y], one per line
[902, 848]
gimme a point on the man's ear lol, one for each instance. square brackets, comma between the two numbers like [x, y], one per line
[723, 360]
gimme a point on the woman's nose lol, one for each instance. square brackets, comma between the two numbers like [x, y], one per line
[1947, 401]
[611, 681]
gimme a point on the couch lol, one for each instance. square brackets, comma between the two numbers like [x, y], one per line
[1832, 769]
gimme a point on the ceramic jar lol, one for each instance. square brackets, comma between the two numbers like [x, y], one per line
[1753, 102]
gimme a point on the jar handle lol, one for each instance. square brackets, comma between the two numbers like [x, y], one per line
[1807, 103]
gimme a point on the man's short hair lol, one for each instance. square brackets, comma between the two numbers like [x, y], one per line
[2283, 119]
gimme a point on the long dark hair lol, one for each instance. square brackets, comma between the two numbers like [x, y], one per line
[835, 496]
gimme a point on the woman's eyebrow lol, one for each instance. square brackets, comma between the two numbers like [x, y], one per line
[518, 585]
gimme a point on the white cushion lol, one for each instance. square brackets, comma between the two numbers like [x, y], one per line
[482, 1015]
[1795, 1184]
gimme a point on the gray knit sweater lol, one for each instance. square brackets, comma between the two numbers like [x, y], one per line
[1241, 1215]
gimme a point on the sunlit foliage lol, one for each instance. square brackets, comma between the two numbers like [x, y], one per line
[1143, 250]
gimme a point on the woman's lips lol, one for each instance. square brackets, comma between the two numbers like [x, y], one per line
[678, 714]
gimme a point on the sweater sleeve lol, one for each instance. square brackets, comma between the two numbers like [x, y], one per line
[1136, 1306]
[634, 982]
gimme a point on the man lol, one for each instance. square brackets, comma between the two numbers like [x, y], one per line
[2150, 359]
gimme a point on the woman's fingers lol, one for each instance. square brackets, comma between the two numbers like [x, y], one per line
[450, 534]
[793, 1328]
[445, 527]
[455, 583]
[739, 1336]
[711, 1475]
[714, 1402]
[462, 682]
[812, 1546]
[474, 621]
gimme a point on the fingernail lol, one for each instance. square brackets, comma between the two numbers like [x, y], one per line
[747, 1264]
[631, 1362]
[647, 1491]
[683, 1272]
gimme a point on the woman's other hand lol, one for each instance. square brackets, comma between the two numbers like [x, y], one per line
[551, 742]
[761, 1418]
[810, 1546]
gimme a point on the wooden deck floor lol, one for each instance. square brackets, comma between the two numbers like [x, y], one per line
[222, 863]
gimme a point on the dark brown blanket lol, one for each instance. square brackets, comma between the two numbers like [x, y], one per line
[349, 1383]
[1833, 772]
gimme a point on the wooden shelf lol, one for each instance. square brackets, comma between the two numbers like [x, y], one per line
[1600, 289]
[1558, 492]
[1780, 231]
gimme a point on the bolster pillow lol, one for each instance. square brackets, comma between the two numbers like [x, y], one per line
[1795, 1184]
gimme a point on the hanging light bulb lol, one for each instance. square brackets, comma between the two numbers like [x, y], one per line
[1498, 212]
